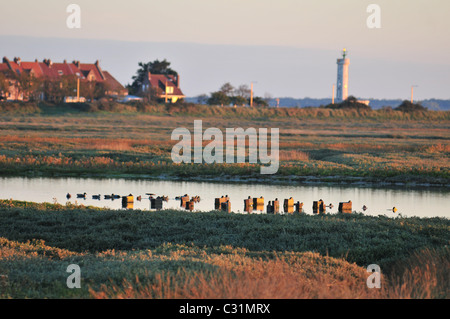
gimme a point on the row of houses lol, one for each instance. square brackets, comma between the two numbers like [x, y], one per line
[167, 87]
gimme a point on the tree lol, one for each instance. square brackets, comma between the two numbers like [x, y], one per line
[52, 90]
[161, 67]
[259, 101]
[152, 94]
[100, 90]
[350, 103]
[219, 98]
[238, 100]
[227, 89]
[202, 99]
[28, 85]
[87, 89]
[55, 90]
[243, 90]
[155, 67]
[4, 85]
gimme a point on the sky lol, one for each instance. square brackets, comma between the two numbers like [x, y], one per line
[285, 47]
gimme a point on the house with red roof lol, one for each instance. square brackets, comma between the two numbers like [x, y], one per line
[55, 72]
[165, 86]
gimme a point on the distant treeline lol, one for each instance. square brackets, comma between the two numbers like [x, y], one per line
[431, 104]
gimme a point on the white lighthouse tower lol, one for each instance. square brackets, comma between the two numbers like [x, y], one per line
[342, 77]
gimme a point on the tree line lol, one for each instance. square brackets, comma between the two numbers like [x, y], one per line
[230, 95]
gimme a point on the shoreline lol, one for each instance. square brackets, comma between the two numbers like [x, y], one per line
[288, 180]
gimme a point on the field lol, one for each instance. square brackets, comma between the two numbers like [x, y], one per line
[172, 254]
[113, 140]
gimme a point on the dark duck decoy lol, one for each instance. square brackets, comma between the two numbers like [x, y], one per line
[96, 196]
[68, 196]
[81, 195]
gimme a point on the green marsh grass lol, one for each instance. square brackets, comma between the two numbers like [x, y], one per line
[173, 254]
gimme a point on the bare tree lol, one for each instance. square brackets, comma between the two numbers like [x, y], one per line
[243, 90]
[227, 89]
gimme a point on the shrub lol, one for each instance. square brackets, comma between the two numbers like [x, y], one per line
[407, 106]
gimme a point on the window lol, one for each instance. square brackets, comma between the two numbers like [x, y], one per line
[169, 89]
[60, 72]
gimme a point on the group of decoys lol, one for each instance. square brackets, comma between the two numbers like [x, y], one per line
[185, 197]
[114, 196]
[223, 203]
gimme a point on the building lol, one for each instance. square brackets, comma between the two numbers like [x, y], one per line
[165, 87]
[55, 72]
[342, 77]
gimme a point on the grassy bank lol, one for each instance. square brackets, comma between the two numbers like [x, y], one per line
[116, 140]
[206, 111]
[172, 254]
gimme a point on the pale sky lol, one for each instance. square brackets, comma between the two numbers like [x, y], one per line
[413, 33]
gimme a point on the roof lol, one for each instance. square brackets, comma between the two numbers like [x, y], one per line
[65, 68]
[4, 67]
[51, 70]
[48, 71]
[32, 67]
[92, 69]
[111, 83]
[15, 67]
[163, 80]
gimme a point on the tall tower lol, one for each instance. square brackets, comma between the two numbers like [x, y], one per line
[342, 77]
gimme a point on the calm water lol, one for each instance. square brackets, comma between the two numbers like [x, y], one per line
[425, 202]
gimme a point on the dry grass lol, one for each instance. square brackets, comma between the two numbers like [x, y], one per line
[65, 143]
[308, 276]
[423, 276]
[294, 155]
[438, 148]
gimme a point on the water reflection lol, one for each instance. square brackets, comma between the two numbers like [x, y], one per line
[128, 201]
[241, 198]
[273, 207]
[345, 207]
[298, 207]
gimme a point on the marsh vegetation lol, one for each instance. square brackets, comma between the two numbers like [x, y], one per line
[173, 254]
[112, 139]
